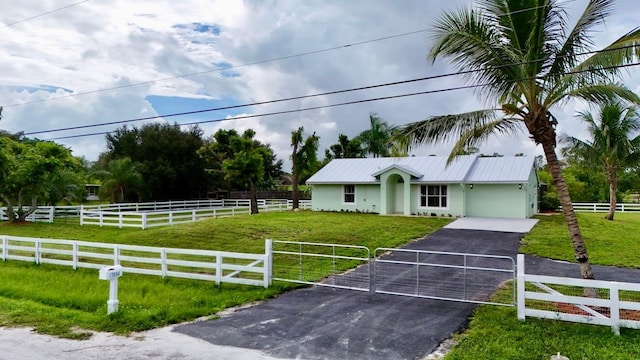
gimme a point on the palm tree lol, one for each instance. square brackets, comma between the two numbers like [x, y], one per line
[120, 175]
[375, 140]
[612, 147]
[304, 160]
[524, 56]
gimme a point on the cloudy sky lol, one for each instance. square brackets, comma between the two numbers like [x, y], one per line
[99, 61]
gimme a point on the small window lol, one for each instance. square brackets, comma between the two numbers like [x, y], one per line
[349, 194]
[433, 196]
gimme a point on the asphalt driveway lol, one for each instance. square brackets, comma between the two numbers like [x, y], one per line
[325, 323]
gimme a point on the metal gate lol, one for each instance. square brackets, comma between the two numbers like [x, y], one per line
[332, 265]
[443, 275]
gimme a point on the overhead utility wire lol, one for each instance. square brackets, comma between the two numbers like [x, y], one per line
[344, 103]
[239, 66]
[432, 77]
[43, 14]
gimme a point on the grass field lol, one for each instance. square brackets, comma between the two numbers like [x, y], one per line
[59, 301]
[496, 333]
[608, 242]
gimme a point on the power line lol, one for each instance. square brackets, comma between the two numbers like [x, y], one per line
[298, 97]
[43, 14]
[242, 65]
[347, 103]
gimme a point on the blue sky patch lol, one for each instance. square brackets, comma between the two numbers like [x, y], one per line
[33, 89]
[200, 27]
[174, 104]
[225, 69]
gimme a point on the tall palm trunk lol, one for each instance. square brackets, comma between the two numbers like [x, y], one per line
[613, 185]
[295, 196]
[294, 177]
[579, 247]
[254, 197]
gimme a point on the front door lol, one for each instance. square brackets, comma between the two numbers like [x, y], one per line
[399, 205]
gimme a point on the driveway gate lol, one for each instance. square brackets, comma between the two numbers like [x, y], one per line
[443, 275]
[334, 265]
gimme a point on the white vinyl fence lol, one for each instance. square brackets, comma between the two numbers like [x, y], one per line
[44, 214]
[144, 216]
[604, 207]
[218, 266]
[560, 298]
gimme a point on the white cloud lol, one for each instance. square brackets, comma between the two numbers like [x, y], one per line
[100, 45]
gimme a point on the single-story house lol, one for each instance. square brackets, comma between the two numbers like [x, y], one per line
[92, 191]
[505, 187]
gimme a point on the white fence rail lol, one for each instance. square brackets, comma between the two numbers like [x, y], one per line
[618, 303]
[218, 266]
[604, 207]
[124, 216]
[144, 220]
[44, 214]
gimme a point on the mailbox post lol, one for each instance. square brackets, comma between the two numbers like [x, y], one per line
[111, 273]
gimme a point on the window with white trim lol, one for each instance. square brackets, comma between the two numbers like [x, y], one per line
[433, 196]
[349, 196]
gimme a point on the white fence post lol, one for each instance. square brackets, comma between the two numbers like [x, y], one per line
[193, 215]
[36, 251]
[520, 286]
[218, 268]
[52, 213]
[4, 248]
[268, 262]
[614, 309]
[81, 215]
[120, 220]
[163, 262]
[116, 255]
[75, 255]
[144, 221]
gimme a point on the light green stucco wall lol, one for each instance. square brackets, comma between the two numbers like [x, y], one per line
[496, 200]
[484, 200]
[455, 202]
[532, 194]
[329, 198]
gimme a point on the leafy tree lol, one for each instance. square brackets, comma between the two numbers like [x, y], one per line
[27, 169]
[240, 162]
[525, 56]
[166, 156]
[376, 140]
[120, 178]
[345, 148]
[614, 144]
[304, 160]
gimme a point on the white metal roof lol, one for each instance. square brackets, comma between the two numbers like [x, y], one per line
[501, 169]
[430, 169]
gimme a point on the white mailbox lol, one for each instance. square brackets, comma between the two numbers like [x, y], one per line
[110, 272]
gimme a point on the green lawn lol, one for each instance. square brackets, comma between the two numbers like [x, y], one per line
[608, 242]
[496, 333]
[57, 300]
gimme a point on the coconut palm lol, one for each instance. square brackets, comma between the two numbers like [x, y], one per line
[614, 144]
[375, 140]
[524, 57]
[121, 175]
[304, 160]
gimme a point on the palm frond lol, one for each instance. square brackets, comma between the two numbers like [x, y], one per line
[604, 64]
[473, 42]
[601, 93]
[580, 38]
[480, 134]
[440, 129]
